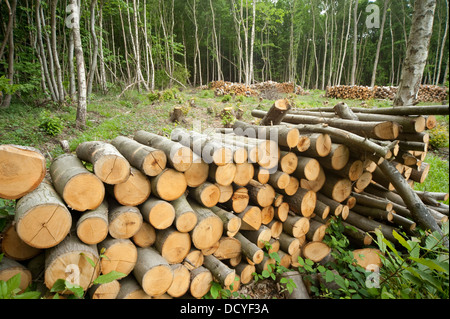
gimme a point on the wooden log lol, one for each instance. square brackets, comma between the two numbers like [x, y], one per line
[109, 165]
[92, 226]
[314, 185]
[281, 212]
[134, 191]
[108, 290]
[285, 136]
[279, 179]
[261, 174]
[320, 145]
[369, 225]
[321, 210]
[337, 158]
[419, 175]
[13, 247]
[185, 217]
[197, 173]
[251, 218]
[292, 187]
[304, 143]
[352, 170]
[300, 291]
[260, 194]
[201, 281]
[250, 249]
[148, 160]
[157, 212]
[226, 192]
[193, 259]
[288, 162]
[245, 272]
[267, 214]
[10, 268]
[131, 289]
[355, 234]
[366, 199]
[231, 222]
[296, 226]
[41, 218]
[120, 255]
[276, 113]
[335, 207]
[123, 221]
[209, 227]
[152, 272]
[336, 187]
[244, 173]
[402, 110]
[206, 194]
[366, 257]
[302, 202]
[181, 281]
[22, 170]
[289, 244]
[210, 150]
[178, 156]
[238, 201]
[223, 175]
[177, 115]
[260, 237]
[375, 213]
[173, 245]
[229, 247]
[315, 251]
[146, 235]
[68, 260]
[169, 184]
[363, 181]
[276, 227]
[79, 188]
[307, 168]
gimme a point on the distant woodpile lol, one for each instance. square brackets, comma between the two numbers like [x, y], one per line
[427, 93]
[225, 87]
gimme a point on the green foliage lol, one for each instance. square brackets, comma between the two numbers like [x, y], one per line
[227, 118]
[10, 289]
[6, 87]
[6, 211]
[50, 123]
[416, 268]
[439, 136]
[438, 177]
[226, 98]
[218, 292]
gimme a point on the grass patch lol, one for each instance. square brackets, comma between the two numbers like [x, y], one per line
[437, 179]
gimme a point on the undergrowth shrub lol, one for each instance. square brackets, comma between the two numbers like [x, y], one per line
[50, 124]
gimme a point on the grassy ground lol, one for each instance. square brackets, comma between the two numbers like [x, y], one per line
[109, 116]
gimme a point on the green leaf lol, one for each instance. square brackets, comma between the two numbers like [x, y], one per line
[329, 276]
[88, 259]
[58, 286]
[401, 240]
[14, 282]
[28, 295]
[429, 263]
[265, 273]
[3, 290]
[106, 278]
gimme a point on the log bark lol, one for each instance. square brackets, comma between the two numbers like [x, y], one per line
[149, 160]
[250, 249]
[259, 237]
[92, 226]
[279, 179]
[245, 272]
[307, 168]
[224, 274]
[109, 165]
[158, 212]
[22, 170]
[121, 255]
[289, 243]
[178, 156]
[185, 217]
[41, 218]
[80, 189]
[337, 188]
[152, 272]
[251, 218]
[337, 158]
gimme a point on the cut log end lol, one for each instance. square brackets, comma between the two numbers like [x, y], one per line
[22, 169]
[83, 192]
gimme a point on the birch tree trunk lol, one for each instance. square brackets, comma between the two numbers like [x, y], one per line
[81, 72]
[93, 65]
[380, 39]
[7, 99]
[416, 52]
[59, 80]
[355, 41]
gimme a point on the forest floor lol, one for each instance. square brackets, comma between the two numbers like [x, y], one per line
[109, 116]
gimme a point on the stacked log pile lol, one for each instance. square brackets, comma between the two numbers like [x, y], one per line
[226, 87]
[427, 93]
[175, 214]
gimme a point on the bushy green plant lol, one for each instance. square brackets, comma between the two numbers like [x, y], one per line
[51, 124]
[10, 289]
[226, 98]
[153, 96]
[439, 136]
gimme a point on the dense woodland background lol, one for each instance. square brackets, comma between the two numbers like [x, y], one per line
[155, 44]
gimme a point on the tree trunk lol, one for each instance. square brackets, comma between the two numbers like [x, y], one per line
[380, 39]
[416, 53]
[93, 66]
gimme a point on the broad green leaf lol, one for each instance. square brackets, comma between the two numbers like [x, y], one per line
[88, 259]
[28, 295]
[58, 286]
[265, 273]
[3, 290]
[401, 240]
[106, 278]
[329, 276]
[14, 282]
[429, 263]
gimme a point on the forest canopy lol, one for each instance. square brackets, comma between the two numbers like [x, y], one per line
[155, 44]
